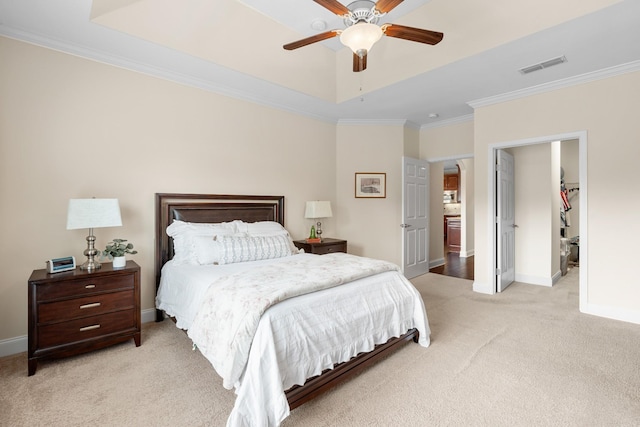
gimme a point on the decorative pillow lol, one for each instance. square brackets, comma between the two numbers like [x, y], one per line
[239, 248]
[266, 228]
[184, 233]
[207, 250]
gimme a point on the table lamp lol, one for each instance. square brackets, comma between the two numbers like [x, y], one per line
[317, 210]
[92, 213]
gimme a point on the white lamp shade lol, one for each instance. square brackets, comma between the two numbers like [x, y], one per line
[361, 36]
[318, 209]
[93, 213]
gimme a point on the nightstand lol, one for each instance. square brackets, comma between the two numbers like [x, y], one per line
[327, 246]
[77, 311]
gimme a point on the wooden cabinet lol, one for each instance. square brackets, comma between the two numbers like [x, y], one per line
[327, 246]
[453, 234]
[451, 182]
[77, 311]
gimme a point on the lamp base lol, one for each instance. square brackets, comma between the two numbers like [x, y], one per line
[90, 265]
[91, 252]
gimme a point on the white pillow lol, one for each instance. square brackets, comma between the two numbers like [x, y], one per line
[207, 250]
[243, 248]
[266, 228]
[259, 228]
[184, 234]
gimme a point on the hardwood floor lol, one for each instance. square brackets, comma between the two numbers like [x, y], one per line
[454, 265]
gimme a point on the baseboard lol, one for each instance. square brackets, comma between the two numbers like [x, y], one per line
[483, 288]
[13, 346]
[436, 263]
[21, 344]
[467, 254]
[534, 280]
[614, 313]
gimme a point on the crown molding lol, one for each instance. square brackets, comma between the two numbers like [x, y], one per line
[377, 122]
[155, 71]
[448, 122]
[605, 73]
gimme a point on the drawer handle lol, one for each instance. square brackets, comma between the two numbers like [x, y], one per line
[90, 286]
[89, 328]
[92, 305]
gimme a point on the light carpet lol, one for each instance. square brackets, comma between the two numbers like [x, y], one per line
[525, 357]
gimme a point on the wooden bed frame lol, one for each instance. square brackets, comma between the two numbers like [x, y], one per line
[210, 208]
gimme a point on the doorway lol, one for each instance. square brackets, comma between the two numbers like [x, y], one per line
[452, 225]
[581, 139]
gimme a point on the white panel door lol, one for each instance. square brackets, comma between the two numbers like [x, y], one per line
[415, 214]
[505, 221]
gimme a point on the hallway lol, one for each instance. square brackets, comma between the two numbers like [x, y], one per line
[455, 266]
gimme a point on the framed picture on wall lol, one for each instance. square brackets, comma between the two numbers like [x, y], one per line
[371, 185]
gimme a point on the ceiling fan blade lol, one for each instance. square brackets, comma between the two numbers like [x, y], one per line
[384, 6]
[359, 62]
[334, 6]
[312, 39]
[414, 34]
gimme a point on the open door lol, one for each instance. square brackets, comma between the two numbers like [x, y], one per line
[415, 215]
[505, 221]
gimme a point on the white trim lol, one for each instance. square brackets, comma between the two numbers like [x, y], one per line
[581, 136]
[605, 73]
[454, 157]
[448, 122]
[483, 288]
[436, 263]
[13, 346]
[615, 313]
[377, 122]
[556, 277]
[534, 280]
[20, 344]
[467, 254]
[159, 72]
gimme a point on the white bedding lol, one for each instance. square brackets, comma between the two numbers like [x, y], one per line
[300, 337]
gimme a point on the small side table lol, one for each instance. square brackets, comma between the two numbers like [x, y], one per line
[79, 311]
[327, 246]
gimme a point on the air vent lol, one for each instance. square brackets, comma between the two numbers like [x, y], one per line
[545, 64]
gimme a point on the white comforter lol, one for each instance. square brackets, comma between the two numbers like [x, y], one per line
[300, 337]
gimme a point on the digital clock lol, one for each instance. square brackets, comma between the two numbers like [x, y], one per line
[57, 265]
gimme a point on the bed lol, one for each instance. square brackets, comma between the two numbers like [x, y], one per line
[213, 209]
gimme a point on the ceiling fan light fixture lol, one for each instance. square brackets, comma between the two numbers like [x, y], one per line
[361, 37]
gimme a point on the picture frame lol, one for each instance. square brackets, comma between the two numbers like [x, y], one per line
[372, 185]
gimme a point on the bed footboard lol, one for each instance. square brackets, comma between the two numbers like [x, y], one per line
[298, 395]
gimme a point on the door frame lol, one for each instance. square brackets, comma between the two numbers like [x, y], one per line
[465, 252]
[581, 136]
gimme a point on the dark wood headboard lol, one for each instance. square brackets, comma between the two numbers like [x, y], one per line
[209, 208]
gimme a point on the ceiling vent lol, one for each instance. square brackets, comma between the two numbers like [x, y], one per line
[545, 64]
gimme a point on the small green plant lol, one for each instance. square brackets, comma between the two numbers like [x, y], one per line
[118, 247]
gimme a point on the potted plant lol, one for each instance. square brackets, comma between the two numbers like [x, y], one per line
[116, 249]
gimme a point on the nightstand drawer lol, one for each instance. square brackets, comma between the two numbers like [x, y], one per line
[85, 328]
[84, 286]
[61, 311]
[328, 249]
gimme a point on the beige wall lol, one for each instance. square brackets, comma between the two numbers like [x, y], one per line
[74, 128]
[606, 109]
[437, 143]
[372, 225]
[444, 142]
[467, 208]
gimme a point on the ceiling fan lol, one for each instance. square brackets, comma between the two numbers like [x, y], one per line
[360, 18]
